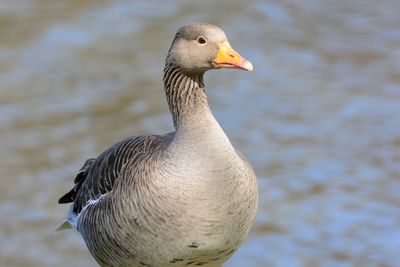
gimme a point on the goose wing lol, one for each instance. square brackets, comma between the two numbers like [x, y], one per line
[98, 175]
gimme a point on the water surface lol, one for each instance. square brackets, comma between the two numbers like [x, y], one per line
[318, 118]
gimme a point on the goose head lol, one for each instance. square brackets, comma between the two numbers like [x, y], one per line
[197, 48]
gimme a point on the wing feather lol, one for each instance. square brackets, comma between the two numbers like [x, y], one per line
[98, 176]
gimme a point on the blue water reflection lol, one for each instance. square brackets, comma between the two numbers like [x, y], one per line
[318, 118]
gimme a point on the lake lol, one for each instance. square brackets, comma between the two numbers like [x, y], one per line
[319, 118]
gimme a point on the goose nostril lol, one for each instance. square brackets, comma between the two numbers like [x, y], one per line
[232, 56]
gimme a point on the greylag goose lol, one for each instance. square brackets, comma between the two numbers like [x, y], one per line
[185, 198]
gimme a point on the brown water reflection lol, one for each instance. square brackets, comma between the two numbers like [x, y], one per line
[318, 118]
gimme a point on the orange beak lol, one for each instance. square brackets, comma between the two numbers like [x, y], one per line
[230, 59]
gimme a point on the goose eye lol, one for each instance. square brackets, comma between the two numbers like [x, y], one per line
[201, 40]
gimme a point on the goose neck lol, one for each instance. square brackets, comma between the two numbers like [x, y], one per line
[186, 95]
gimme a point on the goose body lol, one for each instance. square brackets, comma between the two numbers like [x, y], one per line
[186, 198]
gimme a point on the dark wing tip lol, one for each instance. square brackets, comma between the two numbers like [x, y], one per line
[67, 198]
[79, 179]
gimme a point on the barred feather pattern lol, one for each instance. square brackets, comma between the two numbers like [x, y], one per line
[153, 201]
[108, 223]
[184, 92]
[97, 176]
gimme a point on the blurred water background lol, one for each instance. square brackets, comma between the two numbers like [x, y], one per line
[319, 118]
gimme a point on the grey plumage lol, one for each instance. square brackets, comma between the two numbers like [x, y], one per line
[186, 198]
